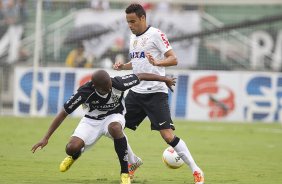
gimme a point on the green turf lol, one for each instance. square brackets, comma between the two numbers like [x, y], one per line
[227, 152]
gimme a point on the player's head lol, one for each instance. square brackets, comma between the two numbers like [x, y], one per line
[102, 82]
[136, 18]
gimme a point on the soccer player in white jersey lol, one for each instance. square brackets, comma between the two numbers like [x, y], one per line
[150, 52]
[103, 100]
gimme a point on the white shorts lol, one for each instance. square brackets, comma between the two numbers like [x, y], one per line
[90, 130]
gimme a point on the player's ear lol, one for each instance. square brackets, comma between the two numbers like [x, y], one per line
[143, 17]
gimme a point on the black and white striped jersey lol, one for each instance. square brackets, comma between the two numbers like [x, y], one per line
[98, 106]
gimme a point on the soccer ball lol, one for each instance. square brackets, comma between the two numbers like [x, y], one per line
[171, 159]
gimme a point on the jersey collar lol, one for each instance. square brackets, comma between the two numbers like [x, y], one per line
[144, 31]
[102, 96]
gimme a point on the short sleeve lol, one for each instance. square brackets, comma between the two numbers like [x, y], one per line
[125, 82]
[161, 41]
[74, 101]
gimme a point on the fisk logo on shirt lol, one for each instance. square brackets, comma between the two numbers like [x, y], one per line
[130, 83]
[137, 54]
[75, 102]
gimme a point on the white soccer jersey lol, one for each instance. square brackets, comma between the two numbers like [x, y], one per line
[155, 42]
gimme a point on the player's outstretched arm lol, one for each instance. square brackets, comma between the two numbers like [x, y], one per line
[121, 66]
[169, 81]
[170, 59]
[55, 124]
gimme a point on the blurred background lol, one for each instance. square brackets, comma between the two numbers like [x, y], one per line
[229, 52]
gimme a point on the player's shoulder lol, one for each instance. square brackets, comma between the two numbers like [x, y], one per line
[87, 84]
[132, 36]
[154, 30]
[156, 33]
[86, 88]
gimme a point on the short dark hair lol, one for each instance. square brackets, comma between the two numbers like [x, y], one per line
[137, 9]
[100, 78]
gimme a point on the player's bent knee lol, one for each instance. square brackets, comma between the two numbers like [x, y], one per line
[74, 146]
[115, 130]
[167, 135]
[72, 149]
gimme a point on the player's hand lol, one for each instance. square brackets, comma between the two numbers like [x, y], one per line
[151, 59]
[39, 145]
[170, 82]
[118, 66]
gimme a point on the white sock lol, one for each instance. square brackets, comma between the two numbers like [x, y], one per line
[183, 151]
[132, 158]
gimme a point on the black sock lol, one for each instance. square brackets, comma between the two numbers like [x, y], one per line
[121, 150]
[76, 155]
[174, 142]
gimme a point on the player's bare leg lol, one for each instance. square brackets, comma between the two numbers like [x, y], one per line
[183, 151]
[120, 143]
[73, 149]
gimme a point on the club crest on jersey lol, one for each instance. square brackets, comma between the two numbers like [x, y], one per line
[137, 54]
[115, 98]
[135, 44]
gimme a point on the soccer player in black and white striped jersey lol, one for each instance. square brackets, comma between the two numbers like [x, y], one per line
[103, 101]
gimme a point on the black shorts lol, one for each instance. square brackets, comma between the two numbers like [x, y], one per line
[153, 105]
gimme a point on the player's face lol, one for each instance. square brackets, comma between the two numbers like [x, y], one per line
[103, 90]
[135, 23]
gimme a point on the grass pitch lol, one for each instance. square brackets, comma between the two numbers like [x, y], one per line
[228, 153]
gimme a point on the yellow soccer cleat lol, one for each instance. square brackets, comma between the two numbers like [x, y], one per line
[199, 177]
[124, 178]
[66, 163]
[133, 167]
